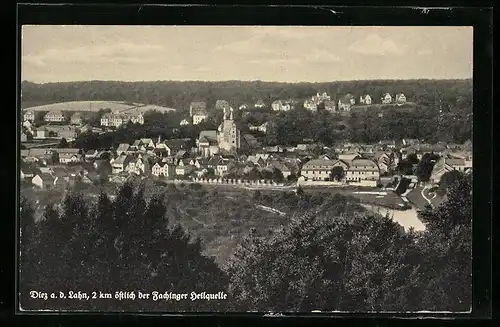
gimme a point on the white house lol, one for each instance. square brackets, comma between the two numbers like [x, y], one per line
[386, 98]
[310, 105]
[199, 117]
[365, 99]
[259, 104]
[318, 169]
[44, 181]
[29, 115]
[363, 170]
[280, 105]
[400, 98]
[119, 164]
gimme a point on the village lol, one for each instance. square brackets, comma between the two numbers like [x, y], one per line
[215, 159]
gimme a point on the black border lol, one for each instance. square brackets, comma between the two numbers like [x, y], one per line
[480, 18]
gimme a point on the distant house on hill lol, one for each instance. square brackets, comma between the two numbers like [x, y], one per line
[54, 116]
[330, 105]
[365, 99]
[386, 98]
[184, 122]
[346, 102]
[76, 119]
[222, 105]
[310, 105]
[400, 98]
[29, 115]
[259, 104]
[197, 107]
[198, 111]
[280, 105]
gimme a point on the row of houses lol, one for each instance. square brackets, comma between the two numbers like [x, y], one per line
[51, 130]
[53, 116]
[461, 162]
[356, 170]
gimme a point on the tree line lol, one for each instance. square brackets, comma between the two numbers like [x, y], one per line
[333, 255]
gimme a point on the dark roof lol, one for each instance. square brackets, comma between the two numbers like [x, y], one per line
[177, 144]
[46, 177]
[198, 107]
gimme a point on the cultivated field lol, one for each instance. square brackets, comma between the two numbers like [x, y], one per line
[96, 105]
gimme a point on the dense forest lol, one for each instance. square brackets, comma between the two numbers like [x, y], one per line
[330, 255]
[446, 95]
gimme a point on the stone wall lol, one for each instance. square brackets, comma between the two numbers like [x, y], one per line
[234, 181]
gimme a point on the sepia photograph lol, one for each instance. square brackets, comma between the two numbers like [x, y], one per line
[215, 168]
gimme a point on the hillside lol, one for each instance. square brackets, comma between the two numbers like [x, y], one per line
[447, 94]
[96, 105]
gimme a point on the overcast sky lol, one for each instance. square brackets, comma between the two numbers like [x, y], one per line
[268, 53]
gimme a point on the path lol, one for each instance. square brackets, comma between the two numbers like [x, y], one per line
[199, 222]
[269, 209]
[426, 198]
[265, 208]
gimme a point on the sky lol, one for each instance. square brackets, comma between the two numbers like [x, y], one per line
[55, 53]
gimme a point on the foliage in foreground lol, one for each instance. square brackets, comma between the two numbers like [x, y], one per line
[332, 256]
[359, 262]
[121, 245]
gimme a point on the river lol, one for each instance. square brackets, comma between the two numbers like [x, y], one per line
[406, 218]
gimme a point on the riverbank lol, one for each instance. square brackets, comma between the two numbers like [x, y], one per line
[407, 218]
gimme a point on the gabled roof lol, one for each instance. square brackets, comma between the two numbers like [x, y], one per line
[198, 107]
[66, 155]
[68, 150]
[180, 153]
[176, 144]
[346, 99]
[46, 177]
[30, 170]
[35, 152]
[359, 164]
[146, 140]
[454, 162]
[123, 147]
[208, 135]
[213, 161]
[319, 163]
[121, 159]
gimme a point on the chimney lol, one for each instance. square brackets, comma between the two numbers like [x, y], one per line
[159, 139]
[231, 114]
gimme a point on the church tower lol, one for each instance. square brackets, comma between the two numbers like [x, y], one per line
[228, 134]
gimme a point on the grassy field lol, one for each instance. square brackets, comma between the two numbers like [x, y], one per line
[221, 216]
[390, 200]
[96, 105]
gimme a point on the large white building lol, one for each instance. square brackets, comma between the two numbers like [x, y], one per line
[54, 116]
[198, 111]
[29, 115]
[118, 119]
[358, 170]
